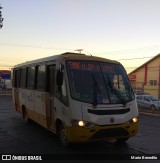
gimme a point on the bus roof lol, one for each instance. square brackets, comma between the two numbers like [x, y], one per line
[66, 56]
[79, 56]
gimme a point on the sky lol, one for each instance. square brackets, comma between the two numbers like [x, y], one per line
[124, 30]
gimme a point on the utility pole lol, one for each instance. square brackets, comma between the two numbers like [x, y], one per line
[1, 19]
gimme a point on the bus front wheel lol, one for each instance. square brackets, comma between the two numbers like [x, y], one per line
[62, 134]
[122, 140]
[153, 107]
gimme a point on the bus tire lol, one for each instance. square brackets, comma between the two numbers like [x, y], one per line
[24, 115]
[153, 107]
[62, 134]
[122, 140]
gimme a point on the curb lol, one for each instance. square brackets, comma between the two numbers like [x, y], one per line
[150, 114]
[5, 94]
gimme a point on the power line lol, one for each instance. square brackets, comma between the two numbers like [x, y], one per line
[30, 46]
[6, 65]
[52, 48]
[108, 52]
[39, 47]
[135, 50]
[135, 58]
[22, 59]
[154, 68]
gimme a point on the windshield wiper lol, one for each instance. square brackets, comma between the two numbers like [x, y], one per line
[104, 82]
[116, 91]
[113, 87]
[95, 91]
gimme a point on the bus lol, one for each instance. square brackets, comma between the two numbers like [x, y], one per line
[80, 98]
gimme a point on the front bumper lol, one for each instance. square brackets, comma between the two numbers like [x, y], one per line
[78, 134]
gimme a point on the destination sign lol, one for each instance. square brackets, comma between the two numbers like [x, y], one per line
[88, 66]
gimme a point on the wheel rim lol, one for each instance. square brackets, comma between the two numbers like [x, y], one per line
[63, 136]
[25, 117]
[153, 107]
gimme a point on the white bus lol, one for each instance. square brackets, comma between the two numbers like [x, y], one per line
[80, 98]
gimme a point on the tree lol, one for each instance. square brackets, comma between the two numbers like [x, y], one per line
[1, 19]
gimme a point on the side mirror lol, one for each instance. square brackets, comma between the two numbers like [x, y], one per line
[59, 78]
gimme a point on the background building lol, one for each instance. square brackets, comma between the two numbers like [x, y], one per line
[146, 78]
[5, 79]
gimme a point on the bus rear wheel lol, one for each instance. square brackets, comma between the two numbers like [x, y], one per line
[25, 116]
[62, 134]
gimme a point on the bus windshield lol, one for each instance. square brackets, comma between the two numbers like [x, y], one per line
[99, 82]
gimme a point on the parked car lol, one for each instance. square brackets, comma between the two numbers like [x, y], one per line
[140, 93]
[148, 102]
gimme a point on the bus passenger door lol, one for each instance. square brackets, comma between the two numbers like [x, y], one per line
[50, 99]
[16, 83]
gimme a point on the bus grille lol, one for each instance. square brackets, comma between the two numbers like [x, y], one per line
[109, 112]
[112, 132]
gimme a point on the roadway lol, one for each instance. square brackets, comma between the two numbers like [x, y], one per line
[17, 137]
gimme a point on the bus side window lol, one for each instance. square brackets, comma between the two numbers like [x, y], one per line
[50, 79]
[30, 77]
[40, 78]
[23, 78]
[16, 77]
[62, 92]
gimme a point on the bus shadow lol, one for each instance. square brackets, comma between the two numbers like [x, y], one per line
[103, 147]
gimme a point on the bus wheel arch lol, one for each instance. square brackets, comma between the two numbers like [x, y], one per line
[61, 133]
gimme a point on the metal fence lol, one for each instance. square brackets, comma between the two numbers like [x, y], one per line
[5, 91]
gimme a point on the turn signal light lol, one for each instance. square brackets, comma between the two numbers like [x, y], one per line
[133, 120]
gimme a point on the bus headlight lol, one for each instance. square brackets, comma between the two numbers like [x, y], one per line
[82, 123]
[133, 120]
